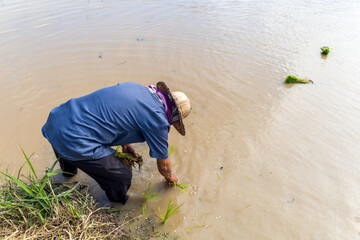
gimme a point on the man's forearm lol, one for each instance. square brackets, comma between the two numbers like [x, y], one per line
[164, 166]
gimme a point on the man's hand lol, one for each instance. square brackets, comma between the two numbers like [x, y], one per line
[173, 179]
[164, 167]
[129, 149]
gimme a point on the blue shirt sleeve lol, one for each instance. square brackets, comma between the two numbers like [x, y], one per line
[157, 140]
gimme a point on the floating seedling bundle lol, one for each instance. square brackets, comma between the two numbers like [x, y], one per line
[293, 79]
[129, 159]
[325, 50]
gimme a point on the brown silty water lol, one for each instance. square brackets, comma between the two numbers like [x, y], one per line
[262, 160]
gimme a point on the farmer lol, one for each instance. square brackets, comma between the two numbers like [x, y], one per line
[82, 131]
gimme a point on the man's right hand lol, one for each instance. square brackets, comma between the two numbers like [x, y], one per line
[164, 167]
[172, 179]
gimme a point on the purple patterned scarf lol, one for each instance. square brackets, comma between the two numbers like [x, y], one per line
[170, 107]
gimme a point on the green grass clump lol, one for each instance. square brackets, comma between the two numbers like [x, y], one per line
[172, 209]
[149, 193]
[38, 208]
[293, 79]
[325, 50]
[33, 199]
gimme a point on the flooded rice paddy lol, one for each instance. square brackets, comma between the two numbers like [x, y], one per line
[262, 160]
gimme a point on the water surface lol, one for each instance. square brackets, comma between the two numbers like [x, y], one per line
[262, 160]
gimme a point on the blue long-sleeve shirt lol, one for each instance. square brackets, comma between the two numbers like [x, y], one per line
[87, 127]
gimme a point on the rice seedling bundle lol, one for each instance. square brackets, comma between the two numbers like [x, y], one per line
[325, 50]
[129, 159]
[293, 79]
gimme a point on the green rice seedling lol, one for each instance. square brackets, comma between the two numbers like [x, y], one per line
[171, 150]
[149, 193]
[239, 210]
[143, 209]
[182, 186]
[293, 79]
[118, 148]
[172, 209]
[325, 50]
[198, 226]
[129, 159]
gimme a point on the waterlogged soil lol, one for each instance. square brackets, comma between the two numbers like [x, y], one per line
[289, 153]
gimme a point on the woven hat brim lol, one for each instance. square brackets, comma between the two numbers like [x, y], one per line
[179, 126]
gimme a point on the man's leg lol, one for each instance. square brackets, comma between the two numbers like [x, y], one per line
[65, 165]
[113, 176]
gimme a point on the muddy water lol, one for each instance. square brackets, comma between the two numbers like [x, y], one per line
[262, 160]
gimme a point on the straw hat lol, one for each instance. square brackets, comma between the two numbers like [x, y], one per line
[182, 103]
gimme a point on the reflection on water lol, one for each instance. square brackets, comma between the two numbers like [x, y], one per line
[262, 160]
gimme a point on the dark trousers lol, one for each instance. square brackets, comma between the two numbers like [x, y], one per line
[113, 176]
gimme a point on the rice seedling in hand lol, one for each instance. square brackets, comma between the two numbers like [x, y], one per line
[172, 209]
[149, 193]
[129, 159]
[325, 50]
[182, 186]
[293, 79]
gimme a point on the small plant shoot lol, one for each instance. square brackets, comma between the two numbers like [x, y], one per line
[172, 209]
[182, 186]
[149, 193]
[293, 79]
[325, 50]
[144, 210]
[171, 150]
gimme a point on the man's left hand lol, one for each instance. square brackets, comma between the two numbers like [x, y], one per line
[129, 149]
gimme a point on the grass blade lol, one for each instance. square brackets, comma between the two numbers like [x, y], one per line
[30, 165]
[20, 183]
